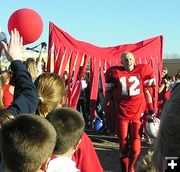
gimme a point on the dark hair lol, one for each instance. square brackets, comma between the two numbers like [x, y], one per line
[178, 75]
[26, 143]
[69, 125]
[5, 116]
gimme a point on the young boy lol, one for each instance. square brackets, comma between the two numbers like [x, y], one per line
[69, 125]
[27, 142]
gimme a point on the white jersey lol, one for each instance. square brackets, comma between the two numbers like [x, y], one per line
[62, 164]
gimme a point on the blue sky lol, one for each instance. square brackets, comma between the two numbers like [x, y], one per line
[104, 22]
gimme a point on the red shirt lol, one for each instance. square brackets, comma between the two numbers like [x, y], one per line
[7, 96]
[85, 157]
[128, 89]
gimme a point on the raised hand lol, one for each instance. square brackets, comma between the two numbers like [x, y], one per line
[14, 50]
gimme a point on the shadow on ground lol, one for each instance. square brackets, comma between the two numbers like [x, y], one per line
[107, 149]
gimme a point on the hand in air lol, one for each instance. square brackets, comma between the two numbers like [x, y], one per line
[14, 50]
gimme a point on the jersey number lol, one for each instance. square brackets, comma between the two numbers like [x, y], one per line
[132, 90]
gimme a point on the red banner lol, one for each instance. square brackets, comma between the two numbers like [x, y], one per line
[64, 51]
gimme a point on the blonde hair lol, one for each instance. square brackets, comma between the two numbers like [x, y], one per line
[31, 67]
[125, 53]
[165, 68]
[5, 77]
[51, 91]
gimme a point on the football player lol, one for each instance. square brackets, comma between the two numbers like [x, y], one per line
[127, 85]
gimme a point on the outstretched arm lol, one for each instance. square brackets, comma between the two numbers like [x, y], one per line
[25, 95]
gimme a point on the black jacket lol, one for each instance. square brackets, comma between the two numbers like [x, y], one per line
[25, 94]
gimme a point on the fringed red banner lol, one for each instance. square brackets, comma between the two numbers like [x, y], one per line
[64, 51]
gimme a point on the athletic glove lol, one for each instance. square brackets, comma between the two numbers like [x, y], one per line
[151, 115]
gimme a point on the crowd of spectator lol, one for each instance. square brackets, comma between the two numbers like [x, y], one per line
[27, 89]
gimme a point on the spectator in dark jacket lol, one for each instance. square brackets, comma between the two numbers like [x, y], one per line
[25, 95]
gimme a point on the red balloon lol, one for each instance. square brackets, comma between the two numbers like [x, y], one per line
[29, 24]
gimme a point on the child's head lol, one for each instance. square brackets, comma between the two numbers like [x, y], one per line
[178, 76]
[30, 65]
[164, 72]
[5, 77]
[51, 91]
[27, 141]
[69, 125]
